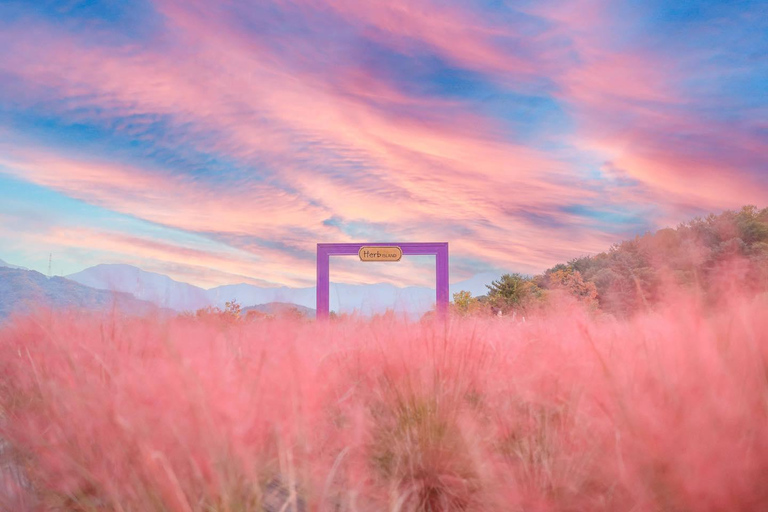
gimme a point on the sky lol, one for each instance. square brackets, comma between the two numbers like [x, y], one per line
[219, 142]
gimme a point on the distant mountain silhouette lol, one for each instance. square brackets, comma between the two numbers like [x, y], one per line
[365, 299]
[22, 291]
[8, 265]
[156, 288]
[277, 308]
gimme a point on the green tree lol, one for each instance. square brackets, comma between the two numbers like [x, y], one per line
[514, 292]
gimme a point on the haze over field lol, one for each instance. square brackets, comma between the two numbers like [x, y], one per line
[216, 143]
[168, 294]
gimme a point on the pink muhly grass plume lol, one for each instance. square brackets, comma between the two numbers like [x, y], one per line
[568, 411]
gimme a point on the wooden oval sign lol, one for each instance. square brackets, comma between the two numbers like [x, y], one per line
[378, 253]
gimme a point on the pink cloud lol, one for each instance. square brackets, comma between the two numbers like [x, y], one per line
[455, 32]
[352, 145]
[456, 171]
[633, 108]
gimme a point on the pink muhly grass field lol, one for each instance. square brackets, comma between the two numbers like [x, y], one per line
[567, 411]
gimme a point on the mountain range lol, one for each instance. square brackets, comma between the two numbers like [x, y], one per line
[129, 282]
[168, 293]
[23, 290]
[3, 264]
[277, 308]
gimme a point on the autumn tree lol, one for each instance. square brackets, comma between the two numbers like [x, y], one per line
[630, 276]
[465, 304]
[572, 282]
[232, 308]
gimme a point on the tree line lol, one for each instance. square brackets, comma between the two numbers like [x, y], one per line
[635, 274]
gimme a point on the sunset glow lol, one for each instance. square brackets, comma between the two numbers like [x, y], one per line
[218, 142]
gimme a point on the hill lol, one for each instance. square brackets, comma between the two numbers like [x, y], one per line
[159, 289]
[23, 290]
[8, 265]
[280, 308]
[634, 275]
[166, 292]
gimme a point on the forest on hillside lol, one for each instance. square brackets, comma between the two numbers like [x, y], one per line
[708, 254]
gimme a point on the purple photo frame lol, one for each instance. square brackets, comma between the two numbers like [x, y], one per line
[437, 249]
